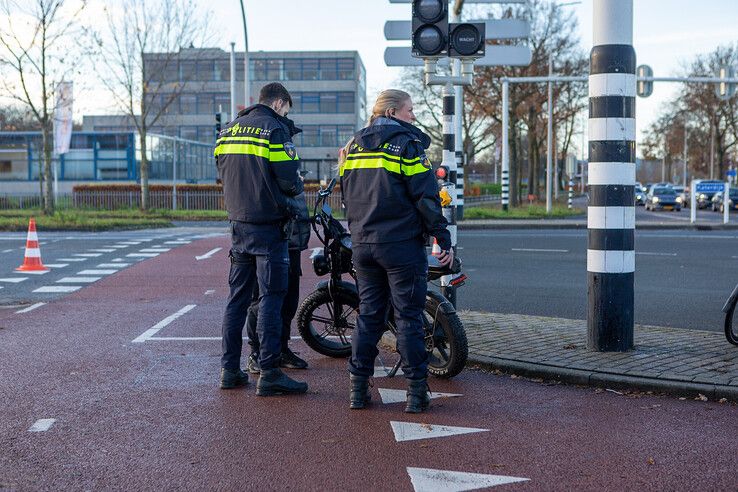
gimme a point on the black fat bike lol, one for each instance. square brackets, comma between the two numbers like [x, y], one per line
[731, 321]
[327, 317]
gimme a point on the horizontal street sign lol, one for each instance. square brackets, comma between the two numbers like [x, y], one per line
[470, 1]
[400, 56]
[496, 29]
[709, 187]
[731, 172]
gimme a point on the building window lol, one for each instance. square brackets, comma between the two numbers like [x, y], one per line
[188, 132]
[222, 103]
[257, 69]
[345, 132]
[345, 68]
[328, 102]
[205, 104]
[187, 71]
[187, 104]
[222, 70]
[310, 136]
[6, 167]
[293, 69]
[310, 102]
[328, 136]
[205, 71]
[274, 70]
[310, 69]
[345, 102]
[328, 69]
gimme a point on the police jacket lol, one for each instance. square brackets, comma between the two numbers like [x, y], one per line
[258, 165]
[301, 227]
[388, 188]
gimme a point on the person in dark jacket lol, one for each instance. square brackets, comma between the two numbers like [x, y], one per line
[258, 165]
[392, 205]
[298, 243]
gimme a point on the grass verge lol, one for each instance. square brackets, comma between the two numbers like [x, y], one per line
[525, 212]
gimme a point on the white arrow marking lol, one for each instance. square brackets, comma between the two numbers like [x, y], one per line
[410, 431]
[208, 254]
[42, 425]
[429, 480]
[30, 308]
[396, 396]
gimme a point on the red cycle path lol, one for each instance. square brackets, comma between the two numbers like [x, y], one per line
[150, 415]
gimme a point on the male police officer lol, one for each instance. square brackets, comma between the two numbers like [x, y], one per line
[259, 167]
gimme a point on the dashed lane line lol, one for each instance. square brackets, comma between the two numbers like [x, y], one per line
[163, 323]
[113, 265]
[647, 253]
[141, 255]
[155, 250]
[534, 250]
[32, 272]
[72, 259]
[55, 289]
[31, 308]
[88, 255]
[102, 250]
[56, 265]
[7, 251]
[78, 280]
[13, 280]
[97, 272]
[42, 425]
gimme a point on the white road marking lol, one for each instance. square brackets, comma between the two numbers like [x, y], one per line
[113, 265]
[13, 280]
[208, 254]
[140, 255]
[72, 259]
[88, 255]
[390, 396]
[97, 272]
[210, 292]
[188, 339]
[58, 288]
[117, 259]
[117, 246]
[102, 250]
[541, 250]
[382, 371]
[129, 243]
[734, 257]
[56, 265]
[30, 308]
[155, 250]
[161, 324]
[429, 480]
[411, 431]
[645, 253]
[177, 242]
[78, 280]
[7, 251]
[35, 272]
[42, 425]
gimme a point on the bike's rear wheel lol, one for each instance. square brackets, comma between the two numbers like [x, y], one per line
[324, 329]
[731, 323]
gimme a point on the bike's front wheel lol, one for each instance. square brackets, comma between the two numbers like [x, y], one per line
[731, 322]
[445, 341]
[324, 328]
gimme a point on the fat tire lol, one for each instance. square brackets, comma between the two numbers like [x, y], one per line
[453, 328]
[305, 313]
[729, 333]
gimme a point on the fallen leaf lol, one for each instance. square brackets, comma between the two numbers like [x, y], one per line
[723, 400]
[599, 390]
[682, 398]
[651, 461]
[701, 397]
[514, 376]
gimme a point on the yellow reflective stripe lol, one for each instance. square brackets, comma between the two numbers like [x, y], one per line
[390, 156]
[242, 139]
[380, 163]
[277, 156]
[276, 146]
[242, 149]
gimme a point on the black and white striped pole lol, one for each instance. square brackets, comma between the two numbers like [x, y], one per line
[611, 210]
[449, 160]
[571, 193]
[505, 147]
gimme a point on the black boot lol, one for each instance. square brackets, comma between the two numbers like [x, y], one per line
[275, 382]
[418, 399]
[233, 379]
[360, 395]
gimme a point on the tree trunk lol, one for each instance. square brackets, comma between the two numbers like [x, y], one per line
[144, 170]
[48, 194]
[514, 184]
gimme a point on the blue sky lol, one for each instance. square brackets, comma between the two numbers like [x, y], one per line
[667, 33]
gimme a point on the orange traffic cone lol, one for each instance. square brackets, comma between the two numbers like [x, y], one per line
[436, 249]
[32, 259]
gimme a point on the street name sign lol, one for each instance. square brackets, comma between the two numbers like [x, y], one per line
[710, 187]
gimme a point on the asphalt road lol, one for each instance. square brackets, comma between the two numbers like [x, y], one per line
[114, 386]
[682, 277]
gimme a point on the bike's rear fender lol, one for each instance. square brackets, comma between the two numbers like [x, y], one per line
[444, 303]
[344, 285]
[731, 300]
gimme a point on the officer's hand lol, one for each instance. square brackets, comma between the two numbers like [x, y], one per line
[446, 257]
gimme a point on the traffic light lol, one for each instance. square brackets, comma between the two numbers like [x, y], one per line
[466, 40]
[725, 90]
[644, 88]
[218, 122]
[430, 28]
[442, 174]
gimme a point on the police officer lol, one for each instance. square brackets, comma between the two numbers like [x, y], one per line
[258, 165]
[298, 242]
[392, 204]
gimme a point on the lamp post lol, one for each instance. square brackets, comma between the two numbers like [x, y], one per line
[246, 88]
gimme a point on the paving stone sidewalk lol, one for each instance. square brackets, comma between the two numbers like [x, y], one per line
[677, 361]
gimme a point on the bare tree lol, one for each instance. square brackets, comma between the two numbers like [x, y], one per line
[148, 39]
[39, 45]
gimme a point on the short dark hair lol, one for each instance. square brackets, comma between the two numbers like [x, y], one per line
[273, 91]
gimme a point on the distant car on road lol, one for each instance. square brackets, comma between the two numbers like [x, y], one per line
[662, 198]
[640, 194]
[682, 195]
[717, 201]
[704, 200]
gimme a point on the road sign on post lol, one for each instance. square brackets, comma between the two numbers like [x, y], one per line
[644, 88]
[725, 90]
[495, 56]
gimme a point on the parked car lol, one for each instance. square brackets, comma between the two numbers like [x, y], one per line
[662, 198]
[640, 194]
[682, 195]
[704, 200]
[717, 201]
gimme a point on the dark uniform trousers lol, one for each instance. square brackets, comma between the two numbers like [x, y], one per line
[259, 254]
[397, 273]
[289, 306]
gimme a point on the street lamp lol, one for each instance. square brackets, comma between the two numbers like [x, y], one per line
[245, 58]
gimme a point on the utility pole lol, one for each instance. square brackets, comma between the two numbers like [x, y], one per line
[663, 162]
[459, 127]
[246, 88]
[549, 139]
[684, 157]
[505, 146]
[712, 150]
[611, 209]
[233, 81]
